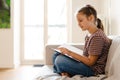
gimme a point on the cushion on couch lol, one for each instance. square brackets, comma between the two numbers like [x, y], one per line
[114, 68]
[113, 56]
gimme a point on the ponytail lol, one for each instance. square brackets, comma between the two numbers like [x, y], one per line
[99, 24]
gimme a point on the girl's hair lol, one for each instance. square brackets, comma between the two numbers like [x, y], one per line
[89, 10]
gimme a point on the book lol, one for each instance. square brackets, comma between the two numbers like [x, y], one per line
[71, 48]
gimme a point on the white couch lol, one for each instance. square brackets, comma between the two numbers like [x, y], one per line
[112, 67]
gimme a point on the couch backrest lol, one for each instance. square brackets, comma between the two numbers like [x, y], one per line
[113, 57]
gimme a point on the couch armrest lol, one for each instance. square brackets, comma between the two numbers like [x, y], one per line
[49, 52]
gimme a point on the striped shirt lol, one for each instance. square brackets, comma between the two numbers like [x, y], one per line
[97, 44]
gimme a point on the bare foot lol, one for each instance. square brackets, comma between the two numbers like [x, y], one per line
[65, 74]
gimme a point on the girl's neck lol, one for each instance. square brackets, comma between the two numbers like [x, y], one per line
[93, 29]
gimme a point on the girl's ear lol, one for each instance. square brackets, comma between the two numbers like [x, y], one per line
[91, 18]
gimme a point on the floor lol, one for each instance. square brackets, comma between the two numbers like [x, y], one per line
[22, 73]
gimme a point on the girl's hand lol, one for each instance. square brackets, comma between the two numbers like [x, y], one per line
[64, 51]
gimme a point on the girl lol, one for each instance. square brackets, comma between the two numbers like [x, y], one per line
[95, 50]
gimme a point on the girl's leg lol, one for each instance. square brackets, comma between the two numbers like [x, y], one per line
[65, 64]
[55, 54]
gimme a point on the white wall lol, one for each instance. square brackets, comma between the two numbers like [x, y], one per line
[77, 34]
[9, 40]
[6, 47]
[115, 17]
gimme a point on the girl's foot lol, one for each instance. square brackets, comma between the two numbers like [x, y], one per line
[65, 74]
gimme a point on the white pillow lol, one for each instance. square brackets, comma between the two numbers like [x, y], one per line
[114, 68]
[112, 51]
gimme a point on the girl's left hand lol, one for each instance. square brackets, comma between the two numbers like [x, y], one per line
[64, 50]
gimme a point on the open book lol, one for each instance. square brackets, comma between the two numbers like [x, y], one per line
[71, 48]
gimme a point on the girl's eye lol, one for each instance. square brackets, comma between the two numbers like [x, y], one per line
[80, 20]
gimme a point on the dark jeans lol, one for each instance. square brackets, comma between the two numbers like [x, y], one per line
[63, 63]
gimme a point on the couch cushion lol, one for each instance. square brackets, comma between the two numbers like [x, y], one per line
[113, 52]
[115, 65]
[114, 69]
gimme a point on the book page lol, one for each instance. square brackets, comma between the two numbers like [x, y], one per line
[72, 48]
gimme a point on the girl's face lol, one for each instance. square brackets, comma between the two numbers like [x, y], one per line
[83, 21]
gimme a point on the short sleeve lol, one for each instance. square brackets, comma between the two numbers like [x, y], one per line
[96, 45]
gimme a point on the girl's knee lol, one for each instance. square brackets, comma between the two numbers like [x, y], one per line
[60, 60]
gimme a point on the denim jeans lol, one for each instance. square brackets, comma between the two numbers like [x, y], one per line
[63, 63]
